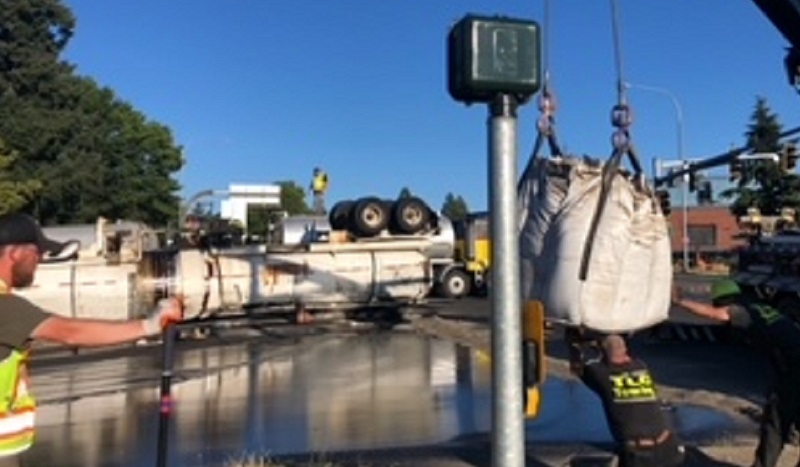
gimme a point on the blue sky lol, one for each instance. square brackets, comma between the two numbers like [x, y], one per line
[263, 90]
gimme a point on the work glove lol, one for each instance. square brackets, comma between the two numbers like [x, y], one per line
[168, 311]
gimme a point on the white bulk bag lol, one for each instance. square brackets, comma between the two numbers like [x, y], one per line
[629, 274]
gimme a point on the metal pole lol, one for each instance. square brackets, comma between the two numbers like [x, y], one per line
[508, 437]
[681, 156]
[186, 206]
[165, 407]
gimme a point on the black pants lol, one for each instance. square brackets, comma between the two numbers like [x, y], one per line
[667, 454]
[781, 412]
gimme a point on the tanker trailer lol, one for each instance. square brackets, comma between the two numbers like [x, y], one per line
[388, 271]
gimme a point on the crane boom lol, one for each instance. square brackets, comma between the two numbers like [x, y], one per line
[785, 16]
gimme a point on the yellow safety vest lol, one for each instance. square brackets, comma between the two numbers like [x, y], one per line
[320, 183]
[17, 405]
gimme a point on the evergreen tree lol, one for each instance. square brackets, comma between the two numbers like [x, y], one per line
[764, 184]
[455, 207]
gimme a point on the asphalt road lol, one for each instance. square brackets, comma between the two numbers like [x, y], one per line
[284, 388]
[337, 391]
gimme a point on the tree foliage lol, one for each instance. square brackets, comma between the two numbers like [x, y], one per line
[94, 154]
[293, 198]
[14, 194]
[764, 185]
[455, 207]
[405, 192]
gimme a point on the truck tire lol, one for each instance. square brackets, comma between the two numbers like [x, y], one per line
[480, 285]
[410, 215]
[370, 217]
[455, 284]
[340, 215]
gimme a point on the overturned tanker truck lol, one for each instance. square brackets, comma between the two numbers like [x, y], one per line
[372, 253]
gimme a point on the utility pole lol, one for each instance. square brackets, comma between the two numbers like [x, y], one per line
[685, 242]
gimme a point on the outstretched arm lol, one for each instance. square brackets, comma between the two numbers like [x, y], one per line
[88, 332]
[92, 332]
[699, 308]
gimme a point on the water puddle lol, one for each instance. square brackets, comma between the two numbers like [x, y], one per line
[326, 394]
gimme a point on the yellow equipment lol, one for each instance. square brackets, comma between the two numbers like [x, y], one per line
[469, 271]
[534, 369]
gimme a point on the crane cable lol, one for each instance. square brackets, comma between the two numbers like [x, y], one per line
[545, 125]
[621, 119]
[547, 100]
[615, 30]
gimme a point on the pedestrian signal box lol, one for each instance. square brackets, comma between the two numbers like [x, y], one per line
[490, 56]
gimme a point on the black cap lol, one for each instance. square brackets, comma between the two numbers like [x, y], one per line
[19, 229]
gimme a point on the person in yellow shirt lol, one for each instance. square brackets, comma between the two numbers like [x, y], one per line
[319, 186]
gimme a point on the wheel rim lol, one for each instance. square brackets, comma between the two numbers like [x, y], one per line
[372, 216]
[412, 215]
[457, 285]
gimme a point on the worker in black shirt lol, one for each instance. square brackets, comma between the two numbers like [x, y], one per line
[633, 411]
[780, 337]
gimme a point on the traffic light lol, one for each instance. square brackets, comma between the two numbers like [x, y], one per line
[705, 193]
[664, 201]
[692, 182]
[670, 179]
[735, 169]
[789, 157]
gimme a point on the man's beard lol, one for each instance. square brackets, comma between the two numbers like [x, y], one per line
[20, 277]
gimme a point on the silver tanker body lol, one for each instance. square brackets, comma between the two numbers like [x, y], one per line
[323, 276]
[308, 268]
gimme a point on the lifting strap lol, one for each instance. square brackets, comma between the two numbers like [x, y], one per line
[621, 119]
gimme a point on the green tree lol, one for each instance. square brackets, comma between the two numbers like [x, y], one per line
[455, 207]
[764, 184]
[405, 192]
[293, 198]
[95, 154]
[14, 194]
[261, 219]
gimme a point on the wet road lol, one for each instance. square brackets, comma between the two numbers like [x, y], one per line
[294, 394]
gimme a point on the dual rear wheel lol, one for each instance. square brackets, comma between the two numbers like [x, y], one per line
[369, 216]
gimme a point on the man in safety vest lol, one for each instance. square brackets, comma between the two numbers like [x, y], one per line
[776, 333]
[319, 185]
[643, 434]
[22, 246]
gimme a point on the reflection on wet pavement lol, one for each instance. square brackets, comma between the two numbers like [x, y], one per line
[324, 394]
